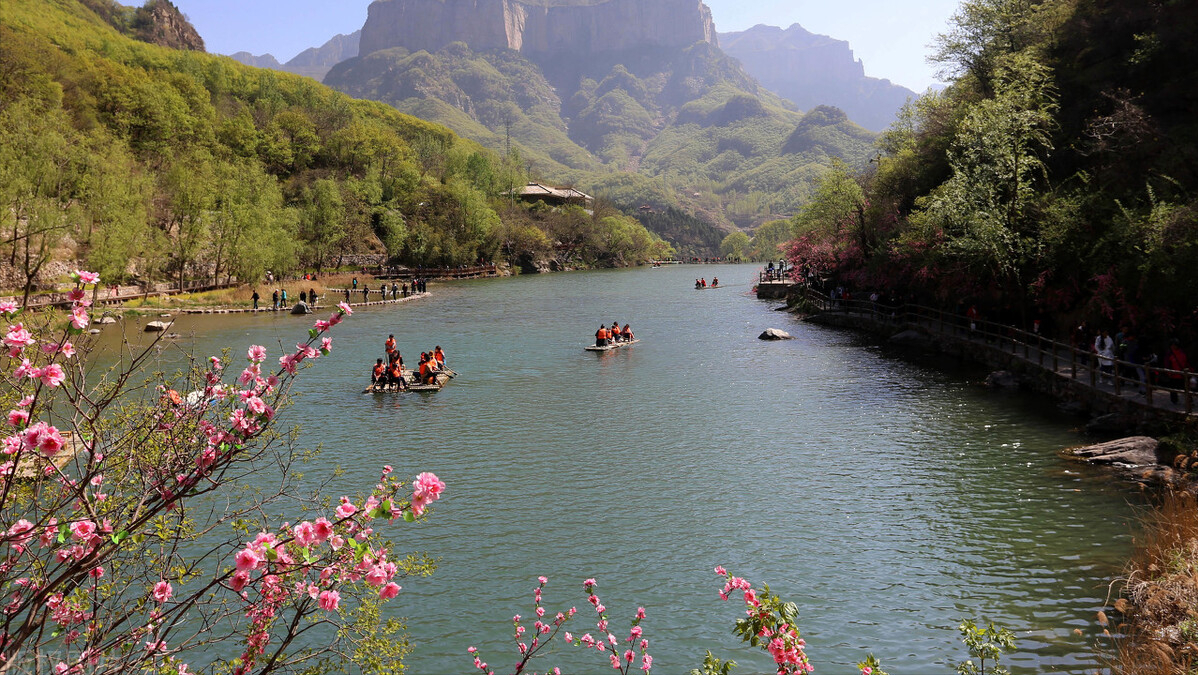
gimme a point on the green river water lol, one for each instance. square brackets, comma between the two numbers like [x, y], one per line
[888, 498]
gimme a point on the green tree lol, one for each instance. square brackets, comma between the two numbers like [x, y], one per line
[188, 188]
[983, 214]
[735, 246]
[323, 216]
[769, 238]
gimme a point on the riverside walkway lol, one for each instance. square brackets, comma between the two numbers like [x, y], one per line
[315, 308]
[1127, 386]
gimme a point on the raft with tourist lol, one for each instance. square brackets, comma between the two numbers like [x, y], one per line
[607, 339]
[390, 376]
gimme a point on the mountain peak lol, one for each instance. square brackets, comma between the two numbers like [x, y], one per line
[537, 26]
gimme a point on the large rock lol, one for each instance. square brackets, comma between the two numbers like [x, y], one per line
[1002, 379]
[157, 326]
[775, 334]
[301, 308]
[912, 339]
[104, 320]
[534, 26]
[1133, 451]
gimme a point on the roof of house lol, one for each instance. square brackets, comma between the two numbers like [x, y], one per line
[535, 190]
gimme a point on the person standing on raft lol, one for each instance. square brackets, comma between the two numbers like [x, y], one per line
[601, 336]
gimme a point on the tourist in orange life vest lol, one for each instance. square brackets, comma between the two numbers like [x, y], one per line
[390, 344]
[703, 282]
[628, 333]
[376, 375]
[601, 336]
[439, 356]
[395, 376]
[615, 331]
[715, 281]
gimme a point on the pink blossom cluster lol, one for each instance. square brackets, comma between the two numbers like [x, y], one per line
[543, 632]
[316, 561]
[779, 635]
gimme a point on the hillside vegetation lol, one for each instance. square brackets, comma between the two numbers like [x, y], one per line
[147, 162]
[1055, 178]
[712, 141]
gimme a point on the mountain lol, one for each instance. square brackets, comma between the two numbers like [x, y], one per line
[157, 22]
[631, 99]
[313, 62]
[537, 26]
[812, 70]
[264, 61]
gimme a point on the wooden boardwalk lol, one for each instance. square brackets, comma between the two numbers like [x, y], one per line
[314, 308]
[1132, 385]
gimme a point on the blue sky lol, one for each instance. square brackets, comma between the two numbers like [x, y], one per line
[890, 36]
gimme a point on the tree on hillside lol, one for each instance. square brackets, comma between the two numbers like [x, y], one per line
[769, 238]
[323, 213]
[983, 215]
[38, 175]
[735, 246]
[188, 201]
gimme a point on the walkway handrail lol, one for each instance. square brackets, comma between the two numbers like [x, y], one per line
[1082, 363]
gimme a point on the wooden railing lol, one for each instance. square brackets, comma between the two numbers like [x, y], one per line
[1076, 363]
[432, 272]
[111, 294]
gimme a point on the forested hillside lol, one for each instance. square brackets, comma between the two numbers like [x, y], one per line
[147, 162]
[1056, 177]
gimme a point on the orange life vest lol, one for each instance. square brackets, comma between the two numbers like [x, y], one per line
[390, 344]
[602, 334]
[378, 370]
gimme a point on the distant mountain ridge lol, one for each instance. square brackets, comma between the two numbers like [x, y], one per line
[811, 70]
[314, 62]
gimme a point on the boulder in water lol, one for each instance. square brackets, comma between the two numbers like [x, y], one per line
[911, 338]
[1133, 451]
[157, 326]
[301, 308]
[104, 320]
[1002, 379]
[775, 334]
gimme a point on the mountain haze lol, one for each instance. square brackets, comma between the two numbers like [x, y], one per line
[812, 70]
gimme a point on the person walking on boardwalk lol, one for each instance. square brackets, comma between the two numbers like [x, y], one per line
[274, 298]
[312, 296]
[355, 283]
[347, 296]
[1175, 359]
[394, 290]
[1104, 346]
[365, 293]
[255, 298]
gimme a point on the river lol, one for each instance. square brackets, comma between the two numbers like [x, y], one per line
[890, 499]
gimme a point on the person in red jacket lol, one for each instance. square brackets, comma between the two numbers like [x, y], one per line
[1176, 360]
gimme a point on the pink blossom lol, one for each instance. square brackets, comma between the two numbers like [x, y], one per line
[542, 580]
[239, 580]
[20, 533]
[288, 363]
[248, 559]
[328, 600]
[79, 318]
[256, 405]
[719, 569]
[334, 318]
[53, 375]
[9, 307]
[96, 573]
[305, 534]
[345, 309]
[646, 662]
[43, 437]
[322, 325]
[18, 418]
[27, 369]
[17, 339]
[326, 345]
[162, 591]
[87, 277]
[640, 614]
[256, 353]
[322, 529]
[389, 591]
[346, 509]
[83, 530]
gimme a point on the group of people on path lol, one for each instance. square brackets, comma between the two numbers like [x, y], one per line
[396, 291]
[607, 336]
[702, 283]
[391, 373]
[1125, 347]
[278, 298]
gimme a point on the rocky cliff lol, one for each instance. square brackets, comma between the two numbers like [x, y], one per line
[537, 26]
[812, 70]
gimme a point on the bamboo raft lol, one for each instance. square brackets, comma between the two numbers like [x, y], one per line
[609, 347]
[441, 380]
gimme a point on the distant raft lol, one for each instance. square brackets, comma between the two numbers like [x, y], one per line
[610, 346]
